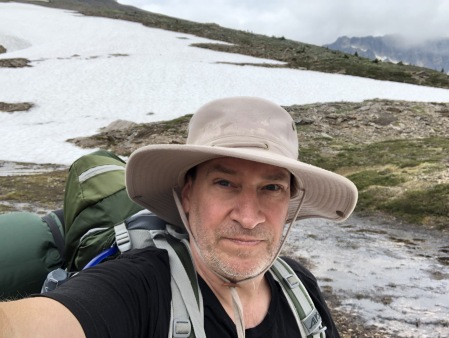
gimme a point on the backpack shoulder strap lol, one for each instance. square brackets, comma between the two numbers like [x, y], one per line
[187, 302]
[56, 227]
[307, 316]
[146, 229]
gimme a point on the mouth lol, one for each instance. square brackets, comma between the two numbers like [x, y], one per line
[245, 241]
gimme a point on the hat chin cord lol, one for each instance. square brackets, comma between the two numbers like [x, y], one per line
[236, 303]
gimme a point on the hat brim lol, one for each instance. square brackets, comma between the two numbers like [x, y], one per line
[154, 170]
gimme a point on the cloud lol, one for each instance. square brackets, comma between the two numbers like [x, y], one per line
[317, 22]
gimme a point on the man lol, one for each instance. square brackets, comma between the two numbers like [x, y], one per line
[233, 186]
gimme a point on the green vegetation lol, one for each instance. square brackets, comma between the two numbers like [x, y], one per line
[396, 177]
[367, 178]
[175, 123]
[423, 206]
[401, 153]
[44, 190]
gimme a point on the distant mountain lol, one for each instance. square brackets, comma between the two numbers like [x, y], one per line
[433, 54]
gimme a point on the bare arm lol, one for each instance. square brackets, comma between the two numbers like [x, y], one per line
[38, 317]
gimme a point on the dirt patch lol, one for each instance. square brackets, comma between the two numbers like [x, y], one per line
[15, 63]
[13, 107]
[31, 187]
[124, 141]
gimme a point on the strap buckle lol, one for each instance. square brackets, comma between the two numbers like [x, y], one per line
[181, 328]
[122, 237]
[292, 280]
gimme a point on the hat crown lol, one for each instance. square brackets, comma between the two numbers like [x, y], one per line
[244, 122]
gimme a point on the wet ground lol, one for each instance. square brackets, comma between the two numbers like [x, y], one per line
[8, 168]
[395, 277]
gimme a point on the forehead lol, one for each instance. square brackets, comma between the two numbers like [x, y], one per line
[236, 166]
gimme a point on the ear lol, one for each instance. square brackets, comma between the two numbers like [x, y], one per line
[185, 195]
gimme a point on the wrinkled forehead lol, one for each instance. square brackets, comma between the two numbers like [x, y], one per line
[235, 167]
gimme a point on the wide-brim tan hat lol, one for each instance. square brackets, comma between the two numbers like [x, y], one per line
[246, 128]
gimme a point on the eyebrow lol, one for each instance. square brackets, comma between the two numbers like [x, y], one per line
[278, 176]
[221, 169]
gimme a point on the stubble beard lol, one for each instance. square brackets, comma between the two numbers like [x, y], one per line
[221, 262]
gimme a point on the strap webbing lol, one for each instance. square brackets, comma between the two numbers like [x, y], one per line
[307, 317]
[57, 235]
[60, 214]
[185, 285]
[180, 326]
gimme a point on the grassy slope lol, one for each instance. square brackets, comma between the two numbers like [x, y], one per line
[395, 177]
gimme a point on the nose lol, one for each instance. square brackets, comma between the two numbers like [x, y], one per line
[247, 210]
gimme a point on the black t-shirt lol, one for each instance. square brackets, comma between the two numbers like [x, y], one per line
[130, 297]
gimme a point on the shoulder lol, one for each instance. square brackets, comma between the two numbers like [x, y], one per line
[135, 284]
[148, 255]
[140, 261]
[134, 271]
[140, 266]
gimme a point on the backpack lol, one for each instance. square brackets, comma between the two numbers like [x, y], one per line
[95, 200]
[30, 247]
[146, 229]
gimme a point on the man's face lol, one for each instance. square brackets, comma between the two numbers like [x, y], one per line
[237, 210]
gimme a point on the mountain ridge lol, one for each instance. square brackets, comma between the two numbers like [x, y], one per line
[432, 54]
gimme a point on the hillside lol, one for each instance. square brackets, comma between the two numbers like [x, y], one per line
[295, 54]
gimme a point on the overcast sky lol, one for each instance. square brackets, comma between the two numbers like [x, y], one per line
[313, 21]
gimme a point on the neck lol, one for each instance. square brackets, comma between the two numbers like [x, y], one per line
[254, 294]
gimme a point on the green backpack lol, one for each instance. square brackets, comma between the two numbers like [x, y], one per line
[95, 200]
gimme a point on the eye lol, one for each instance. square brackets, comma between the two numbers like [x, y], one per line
[223, 183]
[273, 187]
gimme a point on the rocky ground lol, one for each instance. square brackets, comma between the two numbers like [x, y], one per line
[14, 63]
[360, 122]
[12, 107]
